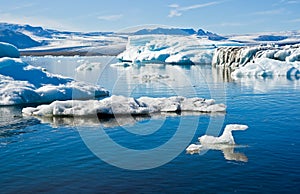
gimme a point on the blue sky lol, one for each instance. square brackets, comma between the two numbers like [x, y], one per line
[220, 16]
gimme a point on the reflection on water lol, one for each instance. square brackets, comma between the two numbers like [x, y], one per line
[221, 74]
[12, 124]
[123, 120]
[267, 84]
[227, 150]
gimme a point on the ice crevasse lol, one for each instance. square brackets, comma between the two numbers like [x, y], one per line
[24, 84]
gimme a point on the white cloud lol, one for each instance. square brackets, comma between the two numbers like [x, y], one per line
[110, 17]
[269, 12]
[289, 1]
[174, 13]
[174, 5]
[187, 8]
[178, 10]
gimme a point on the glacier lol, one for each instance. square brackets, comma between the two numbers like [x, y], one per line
[25, 84]
[121, 105]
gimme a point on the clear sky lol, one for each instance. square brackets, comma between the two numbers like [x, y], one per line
[220, 16]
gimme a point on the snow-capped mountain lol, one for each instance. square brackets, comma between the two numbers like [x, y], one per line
[180, 31]
[40, 41]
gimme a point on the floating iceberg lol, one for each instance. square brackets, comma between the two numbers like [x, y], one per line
[23, 84]
[225, 138]
[8, 50]
[170, 49]
[121, 105]
[259, 60]
[268, 67]
[224, 143]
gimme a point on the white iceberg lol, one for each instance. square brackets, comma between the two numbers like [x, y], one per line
[259, 60]
[225, 138]
[224, 143]
[121, 105]
[23, 84]
[268, 67]
[170, 49]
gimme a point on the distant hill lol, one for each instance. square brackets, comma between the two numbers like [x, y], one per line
[36, 31]
[166, 31]
[270, 38]
[180, 31]
[18, 39]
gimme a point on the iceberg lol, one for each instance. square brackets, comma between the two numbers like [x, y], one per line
[121, 105]
[224, 143]
[8, 50]
[225, 138]
[25, 84]
[170, 49]
[259, 60]
[267, 67]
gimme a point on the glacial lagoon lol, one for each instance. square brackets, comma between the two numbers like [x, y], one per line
[56, 154]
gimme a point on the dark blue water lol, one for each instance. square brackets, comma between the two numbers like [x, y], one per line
[50, 155]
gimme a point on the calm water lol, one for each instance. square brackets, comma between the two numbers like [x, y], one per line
[50, 155]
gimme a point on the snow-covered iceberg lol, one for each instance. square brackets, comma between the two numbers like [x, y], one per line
[170, 49]
[23, 84]
[268, 67]
[121, 105]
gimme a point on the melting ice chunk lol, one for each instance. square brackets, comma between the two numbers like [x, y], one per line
[224, 143]
[225, 138]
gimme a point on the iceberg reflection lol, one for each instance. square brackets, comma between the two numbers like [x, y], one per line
[227, 150]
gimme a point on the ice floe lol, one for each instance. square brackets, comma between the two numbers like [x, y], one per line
[121, 105]
[224, 143]
[225, 138]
